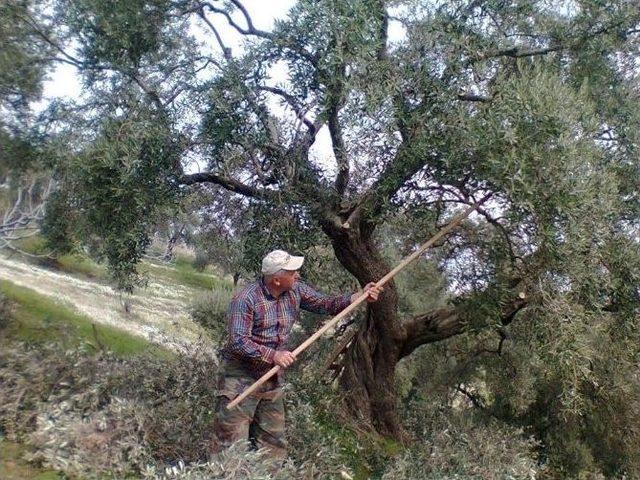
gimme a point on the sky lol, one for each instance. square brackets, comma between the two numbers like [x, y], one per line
[64, 81]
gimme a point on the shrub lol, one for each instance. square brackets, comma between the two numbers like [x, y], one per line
[235, 463]
[91, 415]
[200, 261]
[6, 311]
[209, 311]
[458, 444]
[100, 416]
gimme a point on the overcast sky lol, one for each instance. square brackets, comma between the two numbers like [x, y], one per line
[64, 81]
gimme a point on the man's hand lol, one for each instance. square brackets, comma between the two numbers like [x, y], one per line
[372, 291]
[283, 358]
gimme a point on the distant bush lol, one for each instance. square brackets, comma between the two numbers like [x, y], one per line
[6, 311]
[200, 261]
[208, 310]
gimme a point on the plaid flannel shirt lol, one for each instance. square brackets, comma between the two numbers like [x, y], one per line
[259, 324]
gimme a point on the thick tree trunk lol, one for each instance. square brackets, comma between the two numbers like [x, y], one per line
[368, 380]
[368, 375]
[368, 365]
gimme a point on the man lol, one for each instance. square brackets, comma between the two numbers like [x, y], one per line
[259, 321]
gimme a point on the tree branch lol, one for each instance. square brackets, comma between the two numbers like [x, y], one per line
[397, 172]
[382, 31]
[515, 52]
[475, 399]
[470, 97]
[447, 322]
[339, 150]
[293, 103]
[250, 30]
[226, 51]
[225, 182]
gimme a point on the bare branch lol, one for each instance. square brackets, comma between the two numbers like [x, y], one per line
[21, 219]
[225, 182]
[246, 16]
[250, 30]
[226, 51]
[382, 31]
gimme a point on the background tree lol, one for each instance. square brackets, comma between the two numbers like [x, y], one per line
[24, 171]
[532, 102]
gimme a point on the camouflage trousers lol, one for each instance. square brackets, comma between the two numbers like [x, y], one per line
[259, 418]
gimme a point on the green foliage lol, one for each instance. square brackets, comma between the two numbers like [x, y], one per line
[22, 65]
[200, 261]
[552, 132]
[6, 311]
[60, 223]
[18, 153]
[120, 33]
[460, 446]
[234, 116]
[115, 188]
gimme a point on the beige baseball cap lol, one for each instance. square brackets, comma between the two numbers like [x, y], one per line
[280, 260]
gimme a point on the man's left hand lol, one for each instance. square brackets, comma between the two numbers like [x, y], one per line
[371, 290]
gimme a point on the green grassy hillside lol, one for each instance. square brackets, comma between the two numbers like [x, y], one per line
[37, 319]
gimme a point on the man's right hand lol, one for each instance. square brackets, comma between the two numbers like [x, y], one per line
[283, 358]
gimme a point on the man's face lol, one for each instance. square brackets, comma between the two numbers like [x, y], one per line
[288, 278]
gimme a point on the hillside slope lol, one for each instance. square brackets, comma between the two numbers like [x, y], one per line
[158, 312]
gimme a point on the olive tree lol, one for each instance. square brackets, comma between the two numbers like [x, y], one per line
[425, 107]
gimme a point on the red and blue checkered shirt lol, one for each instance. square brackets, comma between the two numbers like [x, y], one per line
[259, 324]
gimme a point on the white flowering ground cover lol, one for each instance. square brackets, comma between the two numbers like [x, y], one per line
[159, 312]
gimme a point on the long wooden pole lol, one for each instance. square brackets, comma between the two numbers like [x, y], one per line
[303, 346]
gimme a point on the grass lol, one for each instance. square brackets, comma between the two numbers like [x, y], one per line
[183, 273]
[73, 263]
[37, 319]
[83, 265]
[35, 245]
[180, 270]
[12, 468]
